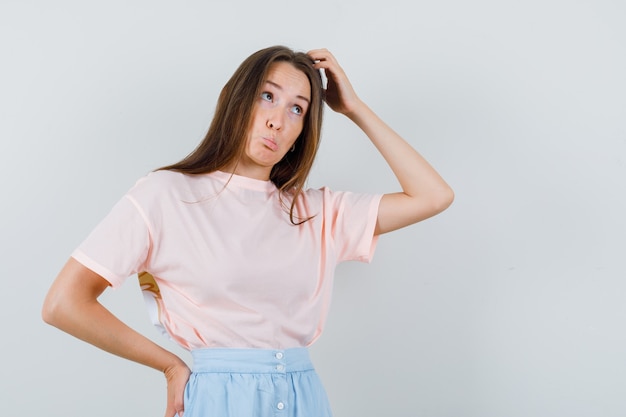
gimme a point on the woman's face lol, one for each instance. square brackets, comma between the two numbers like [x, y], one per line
[277, 120]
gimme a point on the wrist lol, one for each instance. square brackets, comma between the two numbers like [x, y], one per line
[173, 364]
[358, 112]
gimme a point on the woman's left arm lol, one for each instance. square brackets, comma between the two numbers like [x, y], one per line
[424, 193]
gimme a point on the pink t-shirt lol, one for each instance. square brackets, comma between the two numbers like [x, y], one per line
[225, 267]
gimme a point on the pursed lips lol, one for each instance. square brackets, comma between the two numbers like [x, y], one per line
[270, 143]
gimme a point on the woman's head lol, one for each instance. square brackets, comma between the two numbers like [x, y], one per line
[225, 142]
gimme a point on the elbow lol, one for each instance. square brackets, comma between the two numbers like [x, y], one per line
[443, 199]
[49, 312]
[53, 310]
[449, 198]
[75, 289]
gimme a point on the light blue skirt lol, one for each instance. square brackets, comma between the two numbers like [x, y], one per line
[254, 383]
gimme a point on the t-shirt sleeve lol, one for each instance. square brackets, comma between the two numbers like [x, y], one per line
[119, 245]
[352, 219]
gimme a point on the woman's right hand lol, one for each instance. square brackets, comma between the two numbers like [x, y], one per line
[72, 305]
[177, 376]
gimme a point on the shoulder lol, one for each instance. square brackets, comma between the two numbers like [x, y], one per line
[314, 196]
[325, 199]
[161, 177]
[164, 184]
[327, 195]
[157, 181]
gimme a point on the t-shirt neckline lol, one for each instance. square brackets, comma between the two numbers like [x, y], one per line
[244, 182]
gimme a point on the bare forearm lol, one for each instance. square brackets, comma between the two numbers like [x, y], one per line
[424, 192]
[94, 324]
[72, 306]
[415, 175]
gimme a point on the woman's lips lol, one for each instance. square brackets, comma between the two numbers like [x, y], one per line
[269, 142]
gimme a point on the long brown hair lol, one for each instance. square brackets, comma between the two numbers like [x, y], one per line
[225, 140]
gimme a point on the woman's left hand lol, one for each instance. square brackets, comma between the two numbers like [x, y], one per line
[339, 94]
[424, 192]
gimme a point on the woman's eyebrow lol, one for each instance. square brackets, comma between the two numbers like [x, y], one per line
[277, 86]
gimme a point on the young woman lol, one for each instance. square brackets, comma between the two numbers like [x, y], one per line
[237, 257]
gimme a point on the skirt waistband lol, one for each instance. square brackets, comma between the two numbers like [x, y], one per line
[235, 360]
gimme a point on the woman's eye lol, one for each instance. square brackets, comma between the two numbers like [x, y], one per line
[297, 110]
[266, 96]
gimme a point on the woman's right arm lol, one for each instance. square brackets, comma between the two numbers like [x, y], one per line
[72, 306]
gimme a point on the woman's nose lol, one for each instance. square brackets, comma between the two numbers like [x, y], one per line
[274, 121]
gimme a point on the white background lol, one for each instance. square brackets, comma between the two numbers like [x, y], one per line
[511, 303]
